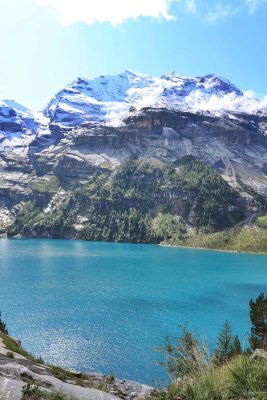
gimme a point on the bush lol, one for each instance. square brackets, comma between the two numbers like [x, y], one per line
[241, 378]
[33, 392]
[247, 378]
[186, 356]
[262, 222]
[229, 374]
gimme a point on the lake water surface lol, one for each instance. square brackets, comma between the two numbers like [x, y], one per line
[105, 307]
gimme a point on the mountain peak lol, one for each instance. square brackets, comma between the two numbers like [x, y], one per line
[220, 83]
[108, 99]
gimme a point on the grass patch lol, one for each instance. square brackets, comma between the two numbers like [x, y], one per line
[11, 345]
[262, 221]
[247, 378]
[242, 378]
[49, 185]
[33, 392]
[61, 373]
[242, 239]
[29, 381]
[64, 375]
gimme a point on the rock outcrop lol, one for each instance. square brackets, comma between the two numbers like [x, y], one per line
[17, 370]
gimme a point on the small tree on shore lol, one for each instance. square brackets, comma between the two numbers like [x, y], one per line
[224, 346]
[258, 318]
[236, 347]
[186, 356]
[3, 327]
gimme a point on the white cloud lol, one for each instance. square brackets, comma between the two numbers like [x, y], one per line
[252, 5]
[220, 12]
[211, 11]
[118, 11]
[191, 6]
[112, 11]
[216, 10]
[230, 102]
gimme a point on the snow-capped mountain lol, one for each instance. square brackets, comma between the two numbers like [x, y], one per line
[108, 99]
[94, 124]
[19, 126]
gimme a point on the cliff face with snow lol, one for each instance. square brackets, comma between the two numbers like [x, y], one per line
[108, 99]
[94, 124]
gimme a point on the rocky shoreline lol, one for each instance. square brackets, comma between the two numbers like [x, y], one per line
[17, 370]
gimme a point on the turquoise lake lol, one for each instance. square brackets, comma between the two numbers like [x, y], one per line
[105, 307]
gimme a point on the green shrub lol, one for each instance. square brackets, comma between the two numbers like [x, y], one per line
[247, 378]
[33, 392]
[186, 356]
[262, 222]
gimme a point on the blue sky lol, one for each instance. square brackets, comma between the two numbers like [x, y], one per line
[47, 43]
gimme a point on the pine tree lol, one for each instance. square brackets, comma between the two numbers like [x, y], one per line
[236, 347]
[224, 345]
[258, 318]
[3, 327]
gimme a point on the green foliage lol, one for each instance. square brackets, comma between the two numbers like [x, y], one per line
[168, 228]
[138, 203]
[13, 346]
[229, 374]
[46, 186]
[192, 371]
[224, 344]
[186, 356]
[247, 379]
[214, 195]
[208, 386]
[144, 201]
[227, 345]
[64, 375]
[195, 375]
[33, 392]
[3, 327]
[242, 378]
[119, 226]
[65, 216]
[236, 347]
[25, 217]
[258, 318]
[262, 222]
[244, 239]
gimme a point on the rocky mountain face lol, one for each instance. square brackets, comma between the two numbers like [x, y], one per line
[92, 126]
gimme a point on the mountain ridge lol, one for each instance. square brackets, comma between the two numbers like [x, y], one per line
[93, 126]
